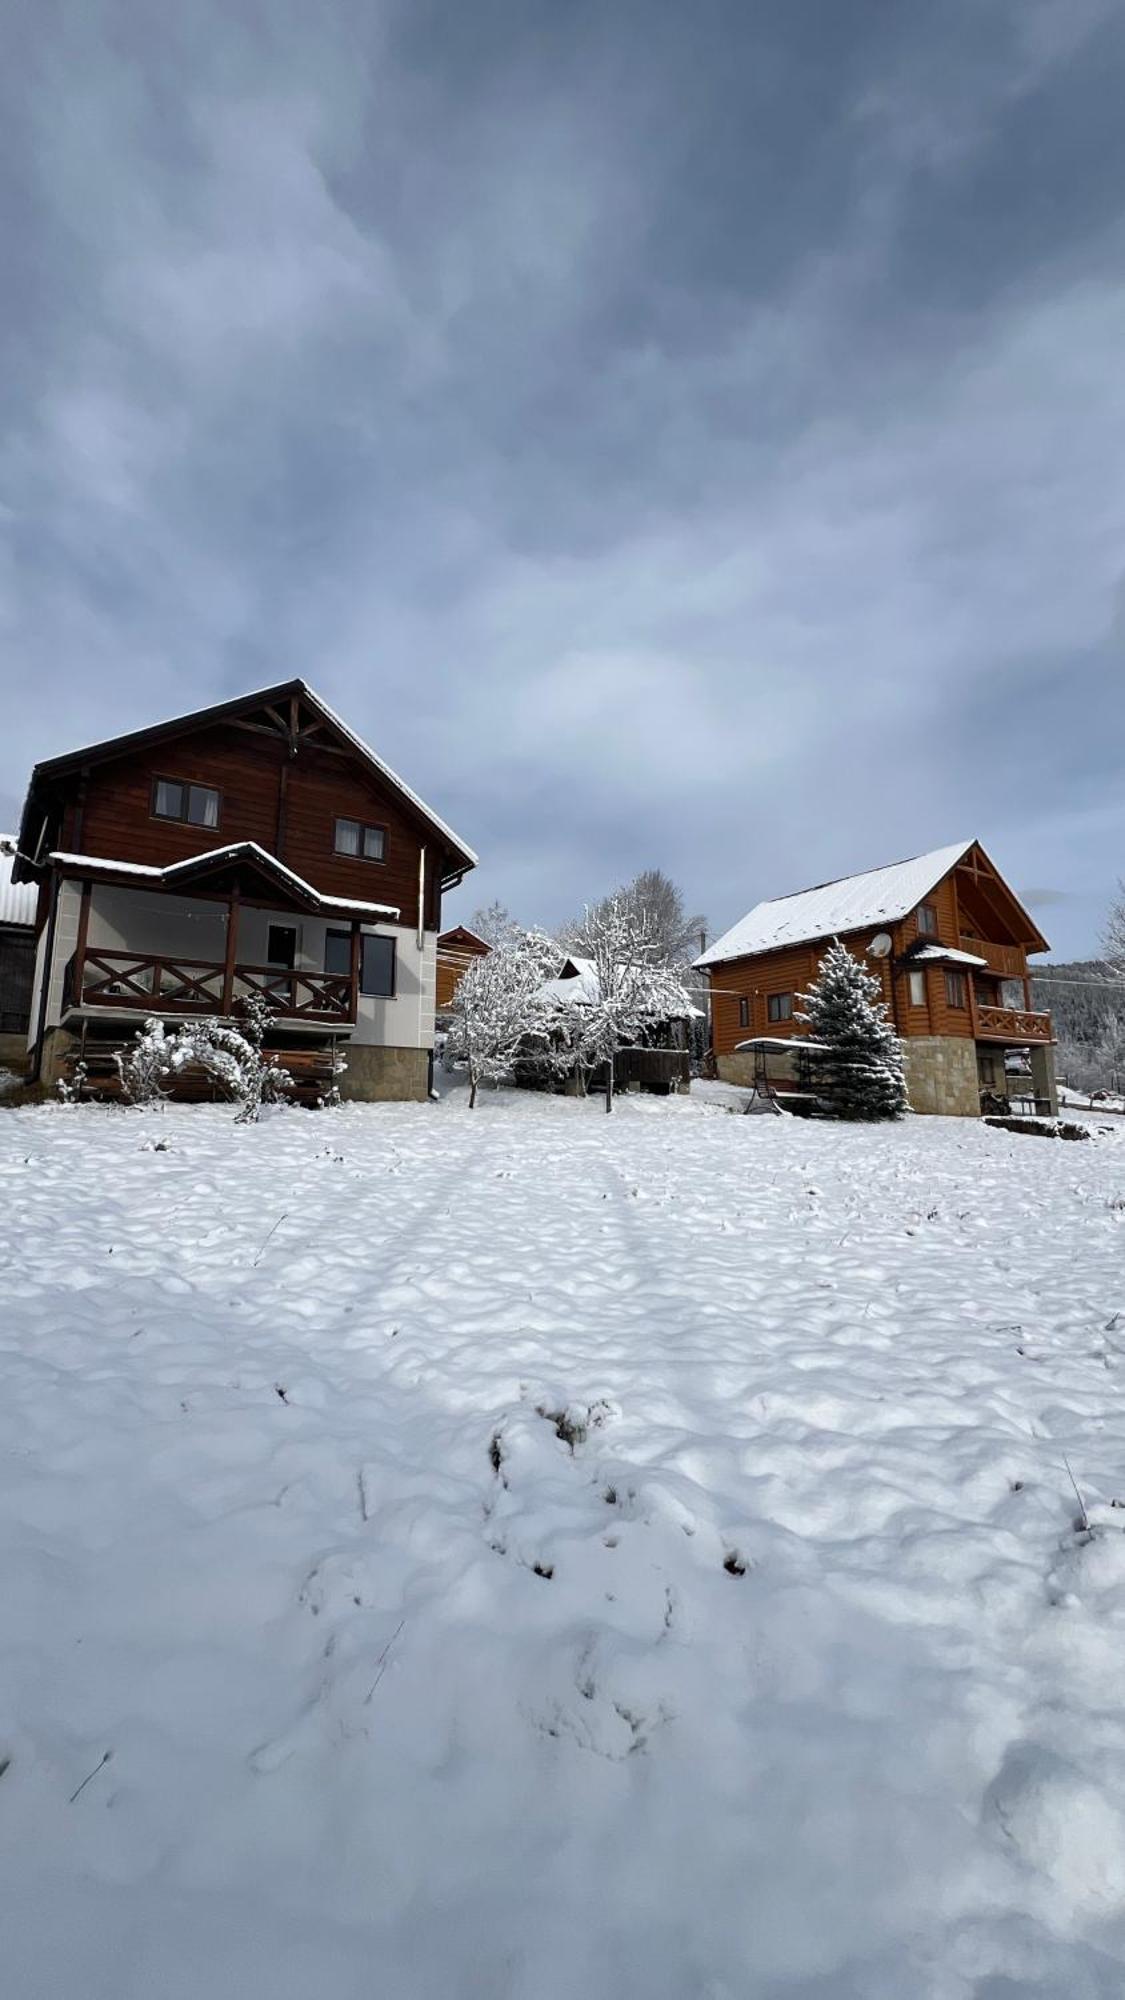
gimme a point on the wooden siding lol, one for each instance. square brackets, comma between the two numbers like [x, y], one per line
[793, 968]
[455, 949]
[260, 785]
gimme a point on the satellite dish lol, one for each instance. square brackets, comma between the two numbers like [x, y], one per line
[881, 945]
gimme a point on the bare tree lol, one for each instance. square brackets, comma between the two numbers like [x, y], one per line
[495, 923]
[653, 900]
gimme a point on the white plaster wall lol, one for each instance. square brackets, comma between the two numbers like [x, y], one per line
[66, 940]
[144, 920]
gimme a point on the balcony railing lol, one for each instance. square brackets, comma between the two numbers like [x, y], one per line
[1006, 960]
[1012, 1024]
[198, 986]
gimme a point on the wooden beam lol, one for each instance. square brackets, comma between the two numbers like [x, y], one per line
[83, 934]
[282, 801]
[356, 944]
[231, 958]
[255, 728]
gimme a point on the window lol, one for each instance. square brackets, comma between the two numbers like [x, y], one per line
[377, 967]
[281, 946]
[779, 1007]
[955, 989]
[367, 843]
[927, 919]
[1011, 993]
[744, 1013]
[194, 805]
[917, 989]
[338, 953]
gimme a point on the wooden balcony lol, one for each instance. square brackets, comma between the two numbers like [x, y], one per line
[1011, 1024]
[1007, 961]
[121, 979]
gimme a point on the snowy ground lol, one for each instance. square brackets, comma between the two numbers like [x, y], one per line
[783, 1671]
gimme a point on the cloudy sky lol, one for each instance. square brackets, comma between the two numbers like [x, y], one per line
[674, 435]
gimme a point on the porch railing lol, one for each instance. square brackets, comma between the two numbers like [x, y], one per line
[1014, 1024]
[197, 986]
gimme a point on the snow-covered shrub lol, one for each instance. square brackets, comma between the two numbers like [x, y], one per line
[233, 1059]
[144, 1067]
[328, 1097]
[861, 1074]
[71, 1093]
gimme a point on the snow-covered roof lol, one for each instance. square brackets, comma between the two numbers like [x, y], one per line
[17, 899]
[239, 850]
[881, 896]
[776, 1042]
[582, 985]
[944, 954]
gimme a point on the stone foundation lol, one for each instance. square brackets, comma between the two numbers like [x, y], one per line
[57, 1045]
[379, 1076]
[941, 1075]
[1043, 1078]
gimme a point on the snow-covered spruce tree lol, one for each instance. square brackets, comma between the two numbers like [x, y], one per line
[632, 987]
[861, 1076]
[497, 1005]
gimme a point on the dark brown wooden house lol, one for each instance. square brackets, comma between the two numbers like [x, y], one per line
[255, 847]
[949, 941]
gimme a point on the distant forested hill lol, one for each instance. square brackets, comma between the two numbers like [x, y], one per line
[1089, 1009]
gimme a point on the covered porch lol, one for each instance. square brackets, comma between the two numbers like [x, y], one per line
[204, 936]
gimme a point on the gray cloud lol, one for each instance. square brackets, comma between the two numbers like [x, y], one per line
[678, 436]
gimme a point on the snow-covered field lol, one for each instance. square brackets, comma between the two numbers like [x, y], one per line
[535, 1556]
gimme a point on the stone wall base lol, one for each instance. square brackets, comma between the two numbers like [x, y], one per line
[57, 1045]
[941, 1075]
[379, 1076]
[740, 1068]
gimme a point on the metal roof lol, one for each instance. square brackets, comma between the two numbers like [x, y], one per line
[17, 899]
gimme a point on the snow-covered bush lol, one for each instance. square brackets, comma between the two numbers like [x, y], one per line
[145, 1066]
[328, 1097]
[861, 1074]
[233, 1059]
[71, 1093]
[497, 1005]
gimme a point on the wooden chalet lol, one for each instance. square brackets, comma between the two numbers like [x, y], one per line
[948, 940]
[254, 847]
[456, 950]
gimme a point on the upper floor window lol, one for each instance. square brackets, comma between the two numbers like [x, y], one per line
[927, 919]
[368, 843]
[779, 1007]
[744, 1012]
[955, 989]
[193, 805]
[917, 989]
